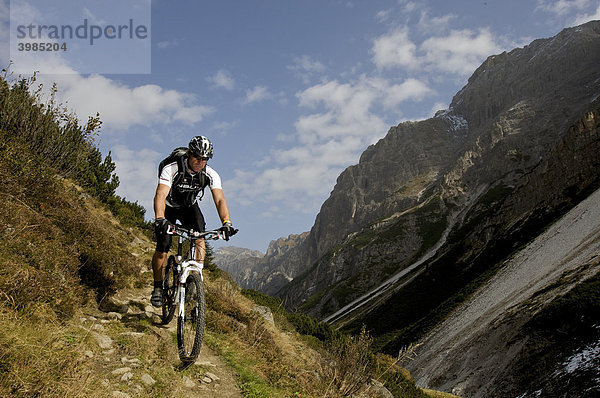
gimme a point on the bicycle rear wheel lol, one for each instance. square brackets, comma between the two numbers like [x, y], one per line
[190, 326]
[169, 289]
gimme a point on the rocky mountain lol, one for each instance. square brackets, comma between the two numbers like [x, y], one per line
[265, 272]
[506, 157]
[531, 329]
[437, 207]
[239, 262]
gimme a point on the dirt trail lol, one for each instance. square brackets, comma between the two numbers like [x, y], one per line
[131, 319]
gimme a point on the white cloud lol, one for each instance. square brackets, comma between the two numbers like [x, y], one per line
[461, 52]
[306, 68]
[409, 6]
[563, 7]
[342, 120]
[326, 141]
[137, 171]
[457, 53]
[256, 94]
[428, 23]
[383, 15]
[395, 50]
[121, 107]
[581, 19]
[410, 89]
[347, 111]
[223, 79]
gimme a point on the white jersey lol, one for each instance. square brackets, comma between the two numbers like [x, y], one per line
[187, 187]
[170, 170]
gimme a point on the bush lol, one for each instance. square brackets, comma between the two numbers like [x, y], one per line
[273, 303]
[304, 324]
[396, 379]
[56, 136]
[351, 362]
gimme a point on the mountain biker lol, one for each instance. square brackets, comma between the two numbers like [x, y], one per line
[177, 194]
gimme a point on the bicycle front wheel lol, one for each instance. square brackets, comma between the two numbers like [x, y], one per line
[169, 288]
[190, 325]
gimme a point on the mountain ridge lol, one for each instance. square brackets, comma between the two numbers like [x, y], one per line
[443, 203]
[464, 176]
[399, 171]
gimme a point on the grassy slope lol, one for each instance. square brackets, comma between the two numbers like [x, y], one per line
[55, 233]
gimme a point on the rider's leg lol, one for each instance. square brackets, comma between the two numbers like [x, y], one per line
[159, 260]
[198, 224]
[200, 250]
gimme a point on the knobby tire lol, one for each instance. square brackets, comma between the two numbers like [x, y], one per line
[169, 289]
[190, 327]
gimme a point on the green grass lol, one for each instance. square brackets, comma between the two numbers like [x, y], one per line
[251, 383]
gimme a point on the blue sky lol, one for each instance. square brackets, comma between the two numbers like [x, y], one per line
[290, 92]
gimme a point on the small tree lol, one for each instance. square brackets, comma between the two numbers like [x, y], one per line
[209, 263]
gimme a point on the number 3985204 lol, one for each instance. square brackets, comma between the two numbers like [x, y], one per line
[42, 46]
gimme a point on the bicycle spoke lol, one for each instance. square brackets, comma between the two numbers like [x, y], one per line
[190, 326]
[169, 287]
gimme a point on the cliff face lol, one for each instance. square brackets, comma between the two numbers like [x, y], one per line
[470, 175]
[239, 262]
[265, 272]
[532, 329]
[435, 212]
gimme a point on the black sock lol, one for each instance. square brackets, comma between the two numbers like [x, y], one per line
[157, 284]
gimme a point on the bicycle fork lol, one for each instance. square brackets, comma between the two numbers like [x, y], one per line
[191, 266]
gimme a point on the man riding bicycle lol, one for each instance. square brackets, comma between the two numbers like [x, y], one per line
[181, 185]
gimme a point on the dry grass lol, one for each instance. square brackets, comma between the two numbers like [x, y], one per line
[273, 361]
[438, 394]
[40, 357]
[270, 362]
[59, 253]
[350, 363]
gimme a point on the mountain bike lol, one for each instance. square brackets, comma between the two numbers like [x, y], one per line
[183, 287]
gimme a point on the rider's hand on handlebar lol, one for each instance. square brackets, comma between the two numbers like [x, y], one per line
[228, 229]
[161, 225]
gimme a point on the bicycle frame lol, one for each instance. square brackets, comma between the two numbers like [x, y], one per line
[184, 268]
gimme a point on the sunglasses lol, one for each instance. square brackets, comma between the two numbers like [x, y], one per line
[200, 157]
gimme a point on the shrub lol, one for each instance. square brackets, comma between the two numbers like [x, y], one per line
[396, 379]
[304, 324]
[351, 362]
[49, 130]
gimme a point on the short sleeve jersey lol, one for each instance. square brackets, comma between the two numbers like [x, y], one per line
[170, 171]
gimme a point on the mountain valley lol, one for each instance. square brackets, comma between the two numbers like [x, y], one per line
[438, 209]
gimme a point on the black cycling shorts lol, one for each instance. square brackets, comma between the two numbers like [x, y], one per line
[189, 217]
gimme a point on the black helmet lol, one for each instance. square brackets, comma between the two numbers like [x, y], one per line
[201, 146]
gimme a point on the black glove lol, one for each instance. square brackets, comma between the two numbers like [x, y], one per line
[228, 229]
[161, 226]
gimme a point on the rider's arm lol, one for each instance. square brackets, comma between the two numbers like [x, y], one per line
[160, 200]
[221, 204]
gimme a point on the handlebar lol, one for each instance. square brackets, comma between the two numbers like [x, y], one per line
[213, 234]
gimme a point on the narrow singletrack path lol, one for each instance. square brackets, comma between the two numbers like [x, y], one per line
[124, 335]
